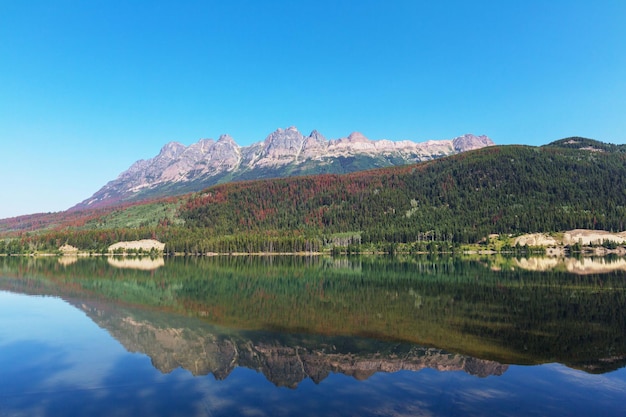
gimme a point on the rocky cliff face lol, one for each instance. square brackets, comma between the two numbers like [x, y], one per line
[178, 169]
[469, 142]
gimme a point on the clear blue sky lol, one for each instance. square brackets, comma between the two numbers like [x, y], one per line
[88, 87]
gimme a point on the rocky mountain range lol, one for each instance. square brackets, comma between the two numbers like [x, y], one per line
[178, 169]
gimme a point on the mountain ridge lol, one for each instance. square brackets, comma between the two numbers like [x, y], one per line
[178, 169]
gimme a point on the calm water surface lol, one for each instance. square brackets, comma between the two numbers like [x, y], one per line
[312, 336]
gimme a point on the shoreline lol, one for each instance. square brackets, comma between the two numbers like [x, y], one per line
[548, 252]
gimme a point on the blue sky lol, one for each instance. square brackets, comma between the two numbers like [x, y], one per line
[89, 87]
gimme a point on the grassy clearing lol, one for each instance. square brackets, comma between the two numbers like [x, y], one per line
[143, 215]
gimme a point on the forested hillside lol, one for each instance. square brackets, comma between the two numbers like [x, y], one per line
[506, 189]
[572, 183]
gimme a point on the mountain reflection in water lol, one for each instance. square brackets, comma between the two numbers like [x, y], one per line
[294, 318]
[285, 360]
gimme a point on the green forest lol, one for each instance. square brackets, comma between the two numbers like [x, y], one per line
[511, 190]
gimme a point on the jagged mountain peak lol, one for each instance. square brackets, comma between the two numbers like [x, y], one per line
[226, 138]
[283, 143]
[288, 131]
[317, 136]
[357, 137]
[469, 141]
[205, 141]
[280, 135]
[171, 149]
[284, 152]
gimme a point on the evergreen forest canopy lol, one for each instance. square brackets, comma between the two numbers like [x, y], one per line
[568, 184]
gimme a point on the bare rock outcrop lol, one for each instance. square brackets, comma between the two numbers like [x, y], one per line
[592, 237]
[145, 245]
[537, 239]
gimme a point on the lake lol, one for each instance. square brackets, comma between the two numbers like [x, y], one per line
[312, 336]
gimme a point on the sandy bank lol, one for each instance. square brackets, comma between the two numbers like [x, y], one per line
[578, 236]
[146, 245]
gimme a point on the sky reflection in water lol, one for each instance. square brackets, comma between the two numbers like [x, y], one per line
[55, 361]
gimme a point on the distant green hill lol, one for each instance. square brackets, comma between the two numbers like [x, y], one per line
[568, 184]
[587, 144]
